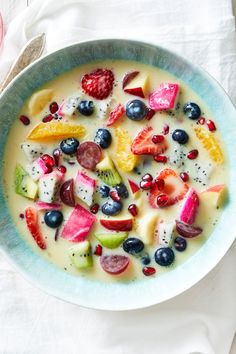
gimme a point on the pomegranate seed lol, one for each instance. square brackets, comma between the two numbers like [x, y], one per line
[47, 118]
[22, 216]
[49, 169]
[53, 108]
[150, 114]
[184, 176]
[201, 120]
[160, 158]
[192, 155]
[147, 177]
[162, 199]
[133, 209]
[98, 250]
[160, 183]
[149, 271]
[157, 139]
[166, 129]
[49, 160]
[57, 154]
[94, 208]
[211, 125]
[145, 184]
[62, 169]
[25, 120]
[115, 196]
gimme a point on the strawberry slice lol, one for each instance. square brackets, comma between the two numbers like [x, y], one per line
[174, 188]
[31, 217]
[115, 114]
[98, 83]
[117, 225]
[143, 144]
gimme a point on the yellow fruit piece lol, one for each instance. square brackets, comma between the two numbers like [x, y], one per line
[56, 130]
[211, 144]
[146, 227]
[125, 159]
[39, 100]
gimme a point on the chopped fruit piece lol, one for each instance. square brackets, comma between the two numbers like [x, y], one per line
[69, 105]
[25, 120]
[164, 232]
[37, 169]
[190, 207]
[67, 193]
[31, 217]
[112, 240]
[49, 186]
[98, 83]
[157, 139]
[128, 78]
[78, 225]
[136, 110]
[174, 188]
[117, 225]
[145, 185]
[147, 177]
[184, 176]
[94, 208]
[98, 250]
[138, 85]
[114, 264]
[192, 155]
[39, 100]
[47, 206]
[85, 187]
[150, 113]
[133, 186]
[107, 172]
[89, 154]
[115, 114]
[192, 110]
[215, 195]
[115, 196]
[149, 271]
[111, 207]
[53, 218]
[211, 144]
[133, 245]
[165, 97]
[166, 129]
[187, 231]
[146, 226]
[32, 150]
[56, 130]
[132, 208]
[164, 256]
[81, 255]
[143, 145]
[24, 184]
[177, 156]
[211, 125]
[201, 120]
[160, 158]
[125, 159]
[53, 107]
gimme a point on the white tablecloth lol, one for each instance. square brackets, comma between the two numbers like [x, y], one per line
[203, 319]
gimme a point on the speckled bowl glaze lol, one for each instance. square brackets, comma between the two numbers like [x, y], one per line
[141, 293]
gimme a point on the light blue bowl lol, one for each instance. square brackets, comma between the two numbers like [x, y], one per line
[138, 294]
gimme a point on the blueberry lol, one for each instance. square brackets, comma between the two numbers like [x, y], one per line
[104, 191]
[180, 244]
[86, 108]
[122, 190]
[164, 256]
[69, 146]
[136, 110]
[180, 136]
[103, 138]
[145, 260]
[53, 218]
[192, 110]
[133, 245]
[111, 207]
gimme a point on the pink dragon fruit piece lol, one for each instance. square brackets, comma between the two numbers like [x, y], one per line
[47, 206]
[85, 187]
[49, 186]
[37, 169]
[189, 208]
[69, 105]
[78, 225]
[165, 97]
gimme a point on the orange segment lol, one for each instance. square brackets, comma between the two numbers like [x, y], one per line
[56, 130]
[211, 144]
[125, 159]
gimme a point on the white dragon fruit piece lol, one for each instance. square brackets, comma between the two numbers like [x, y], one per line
[32, 151]
[104, 107]
[49, 186]
[177, 156]
[164, 231]
[69, 104]
[202, 172]
[85, 187]
[190, 206]
[37, 169]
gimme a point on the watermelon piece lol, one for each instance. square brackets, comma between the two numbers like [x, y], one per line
[85, 187]
[78, 225]
[165, 97]
[189, 208]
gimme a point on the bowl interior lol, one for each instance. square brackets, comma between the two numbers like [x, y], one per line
[117, 296]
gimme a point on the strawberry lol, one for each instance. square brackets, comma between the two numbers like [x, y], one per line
[115, 114]
[174, 188]
[31, 217]
[98, 83]
[143, 144]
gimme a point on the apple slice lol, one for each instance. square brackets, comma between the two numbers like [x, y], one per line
[138, 85]
[215, 196]
[146, 227]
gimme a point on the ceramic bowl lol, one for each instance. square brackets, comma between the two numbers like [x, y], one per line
[141, 293]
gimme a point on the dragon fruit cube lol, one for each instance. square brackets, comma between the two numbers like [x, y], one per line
[32, 151]
[69, 105]
[165, 97]
[78, 225]
[49, 186]
[164, 232]
[37, 169]
[190, 206]
[85, 187]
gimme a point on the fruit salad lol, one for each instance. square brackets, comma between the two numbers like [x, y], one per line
[115, 171]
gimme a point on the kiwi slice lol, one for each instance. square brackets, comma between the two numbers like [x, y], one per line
[24, 184]
[111, 240]
[107, 172]
[81, 255]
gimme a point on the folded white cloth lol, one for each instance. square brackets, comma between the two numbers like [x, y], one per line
[202, 320]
